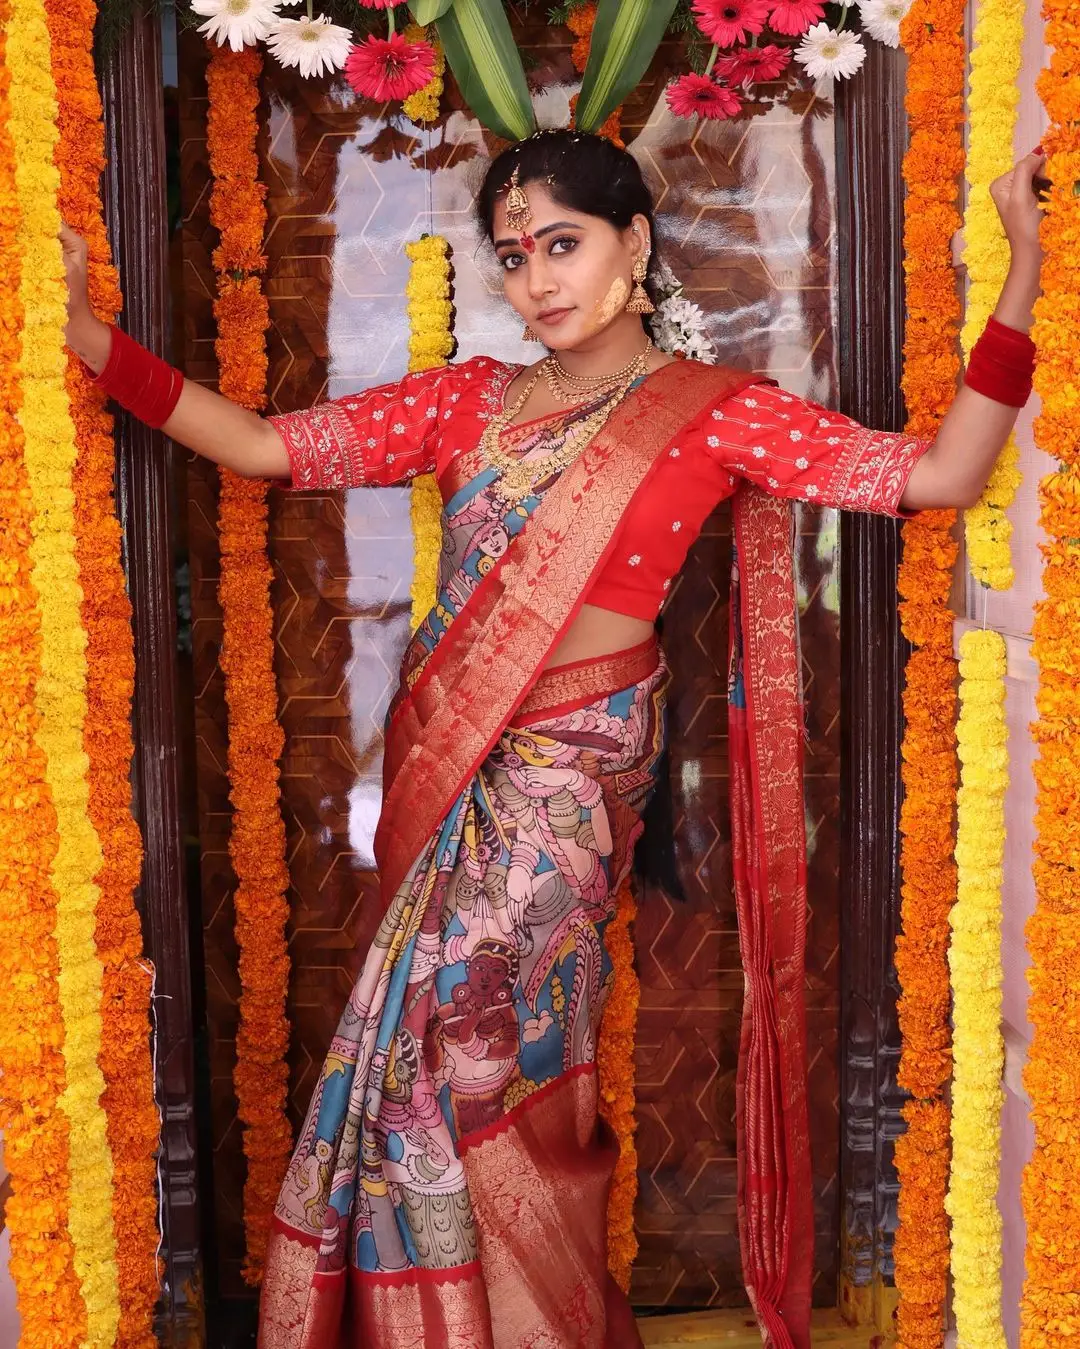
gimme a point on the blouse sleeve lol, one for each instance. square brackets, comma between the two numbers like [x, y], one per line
[792, 447]
[378, 438]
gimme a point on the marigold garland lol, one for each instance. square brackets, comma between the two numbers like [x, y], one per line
[423, 106]
[581, 21]
[256, 741]
[618, 1095]
[1050, 1309]
[975, 965]
[430, 344]
[131, 1113]
[49, 455]
[36, 1133]
[932, 35]
[993, 97]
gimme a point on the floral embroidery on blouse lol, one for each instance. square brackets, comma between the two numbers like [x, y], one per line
[786, 445]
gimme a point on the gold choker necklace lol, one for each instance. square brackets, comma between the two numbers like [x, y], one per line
[570, 388]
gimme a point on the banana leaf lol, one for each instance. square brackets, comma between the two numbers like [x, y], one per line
[483, 55]
[427, 11]
[625, 37]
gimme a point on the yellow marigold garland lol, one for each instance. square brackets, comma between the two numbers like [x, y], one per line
[618, 1094]
[36, 1133]
[430, 344]
[256, 741]
[49, 453]
[993, 96]
[423, 106]
[131, 1112]
[975, 965]
[1050, 1310]
[932, 35]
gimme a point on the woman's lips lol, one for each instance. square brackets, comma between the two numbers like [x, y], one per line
[552, 317]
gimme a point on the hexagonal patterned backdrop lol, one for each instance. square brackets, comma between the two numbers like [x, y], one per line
[745, 214]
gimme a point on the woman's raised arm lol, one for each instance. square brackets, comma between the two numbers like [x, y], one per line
[380, 437]
[957, 466]
[205, 422]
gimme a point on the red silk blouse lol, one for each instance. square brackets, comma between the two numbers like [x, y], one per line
[784, 444]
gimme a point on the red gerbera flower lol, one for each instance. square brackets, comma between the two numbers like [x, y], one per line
[700, 96]
[753, 65]
[378, 4]
[794, 17]
[728, 21]
[390, 68]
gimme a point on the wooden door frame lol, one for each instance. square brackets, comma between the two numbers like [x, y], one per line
[871, 135]
[135, 207]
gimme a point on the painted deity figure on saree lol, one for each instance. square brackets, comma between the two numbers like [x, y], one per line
[449, 1186]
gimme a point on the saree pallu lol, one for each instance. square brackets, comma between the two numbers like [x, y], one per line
[449, 1188]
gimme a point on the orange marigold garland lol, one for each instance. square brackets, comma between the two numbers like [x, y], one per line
[256, 741]
[1050, 1310]
[932, 35]
[32, 1078]
[132, 1117]
[615, 1061]
[581, 21]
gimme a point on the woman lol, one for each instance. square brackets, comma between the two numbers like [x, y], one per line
[449, 1185]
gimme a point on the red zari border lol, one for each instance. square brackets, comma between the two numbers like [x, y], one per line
[776, 1210]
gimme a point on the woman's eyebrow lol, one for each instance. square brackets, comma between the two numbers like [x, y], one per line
[558, 225]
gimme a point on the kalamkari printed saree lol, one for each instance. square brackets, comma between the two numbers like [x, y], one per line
[449, 1186]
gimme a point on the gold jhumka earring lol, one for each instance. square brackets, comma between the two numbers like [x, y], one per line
[639, 302]
[529, 336]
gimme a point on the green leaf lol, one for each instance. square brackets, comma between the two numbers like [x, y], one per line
[625, 37]
[427, 11]
[484, 57]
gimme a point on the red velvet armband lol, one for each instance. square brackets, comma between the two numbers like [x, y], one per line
[148, 387]
[1002, 365]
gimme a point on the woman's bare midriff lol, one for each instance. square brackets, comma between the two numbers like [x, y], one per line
[595, 631]
[599, 632]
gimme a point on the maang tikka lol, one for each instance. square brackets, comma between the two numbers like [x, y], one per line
[518, 213]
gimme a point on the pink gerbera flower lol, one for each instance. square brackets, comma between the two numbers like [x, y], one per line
[700, 96]
[390, 68]
[378, 4]
[794, 17]
[728, 21]
[753, 65]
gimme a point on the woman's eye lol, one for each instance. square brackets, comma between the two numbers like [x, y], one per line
[511, 261]
[568, 239]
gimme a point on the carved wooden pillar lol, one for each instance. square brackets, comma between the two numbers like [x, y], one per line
[135, 209]
[871, 133]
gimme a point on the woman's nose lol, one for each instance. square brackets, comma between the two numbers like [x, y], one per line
[540, 278]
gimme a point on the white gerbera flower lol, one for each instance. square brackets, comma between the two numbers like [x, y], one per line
[240, 23]
[828, 54]
[314, 45]
[882, 19]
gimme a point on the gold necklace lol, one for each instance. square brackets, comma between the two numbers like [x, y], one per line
[517, 477]
[569, 388]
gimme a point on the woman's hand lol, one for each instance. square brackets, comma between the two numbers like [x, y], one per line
[86, 335]
[1017, 204]
[1021, 214]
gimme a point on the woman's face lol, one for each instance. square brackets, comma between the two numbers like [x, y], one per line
[569, 276]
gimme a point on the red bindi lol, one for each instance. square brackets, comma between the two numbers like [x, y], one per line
[528, 243]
